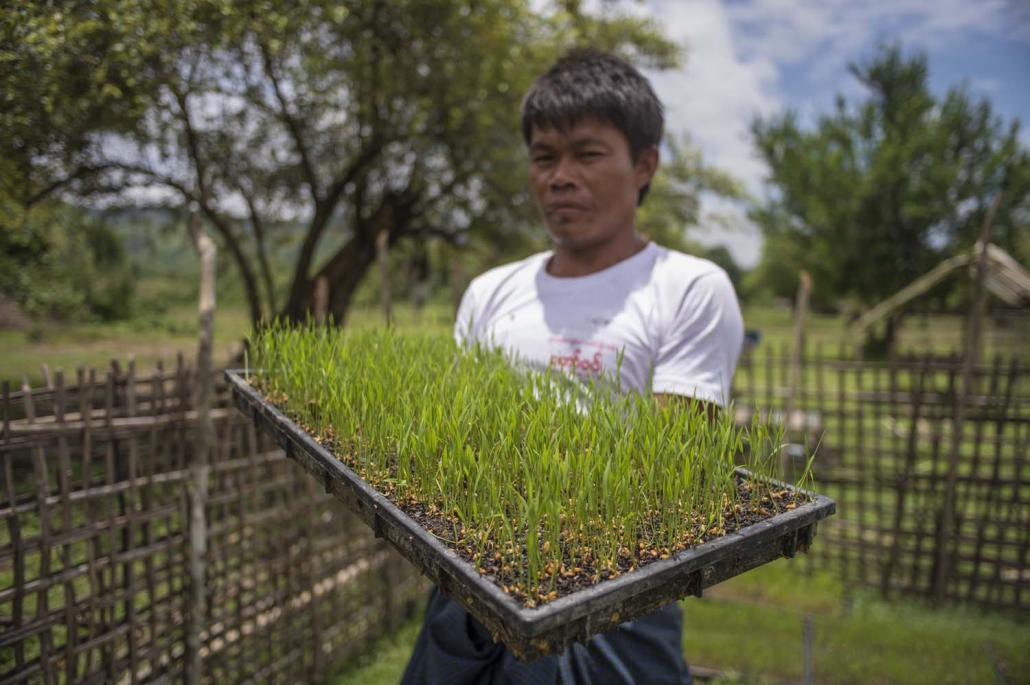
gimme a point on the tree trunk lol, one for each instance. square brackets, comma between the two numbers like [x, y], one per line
[301, 295]
[232, 244]
[261, 248]
[321, 307]
[419, 273]
[881, 346]
[343, 273]
[348, 266]
[204, 440]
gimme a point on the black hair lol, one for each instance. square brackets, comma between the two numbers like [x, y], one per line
[588, 83]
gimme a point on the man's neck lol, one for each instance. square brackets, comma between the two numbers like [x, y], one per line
[566, 263]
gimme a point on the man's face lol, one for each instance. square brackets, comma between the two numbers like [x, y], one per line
[586, 183]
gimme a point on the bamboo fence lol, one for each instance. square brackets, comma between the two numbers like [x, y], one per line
[892, 448]
[94, 548]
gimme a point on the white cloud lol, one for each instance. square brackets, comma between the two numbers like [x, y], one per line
[738, 53]
[793, 30]
[714, 99]
[985, 86]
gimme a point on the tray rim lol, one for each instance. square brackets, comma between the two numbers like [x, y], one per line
[533, 622]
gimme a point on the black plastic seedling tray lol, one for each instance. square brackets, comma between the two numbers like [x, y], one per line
[551, 627]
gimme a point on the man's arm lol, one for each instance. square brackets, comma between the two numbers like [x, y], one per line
[701, 340]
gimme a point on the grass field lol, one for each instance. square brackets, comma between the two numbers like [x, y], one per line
[940, 334]
[160, 336]
[750, 629]
[152, 338]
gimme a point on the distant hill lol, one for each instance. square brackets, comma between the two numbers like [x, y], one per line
[156, 240]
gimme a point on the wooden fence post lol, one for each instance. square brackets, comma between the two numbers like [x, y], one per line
[204, 439]
[7, 419]
[942, 560]
[796, 380]
[321, 300]
[807, 650]
[383, 257]
[904, 482]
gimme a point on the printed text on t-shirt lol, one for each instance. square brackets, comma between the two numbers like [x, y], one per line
[575, 362]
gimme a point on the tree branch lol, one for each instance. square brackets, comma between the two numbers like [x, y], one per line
[232, 243]
[323, 211]
[192, 143]
[292, 125]
[224, 229]
[80, 173]
[221, 225]
[262, 252]
[186, 192]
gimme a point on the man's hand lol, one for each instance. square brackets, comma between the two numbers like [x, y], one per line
[710, 409]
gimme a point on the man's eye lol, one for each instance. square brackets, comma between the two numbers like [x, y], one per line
[590, 154]
[542, 159]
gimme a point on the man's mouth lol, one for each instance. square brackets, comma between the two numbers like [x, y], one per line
[564, 207]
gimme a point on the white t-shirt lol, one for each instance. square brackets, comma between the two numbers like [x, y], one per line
[673, 318]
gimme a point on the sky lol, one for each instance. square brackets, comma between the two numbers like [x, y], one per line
[758, 57]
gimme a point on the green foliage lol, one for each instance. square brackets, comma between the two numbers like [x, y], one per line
[71, 74]
[535, 471]
[673, 204]
[327, 122]
[70, 70]
[878, 191]
[64, 264]
[720, 254]
[776, 274]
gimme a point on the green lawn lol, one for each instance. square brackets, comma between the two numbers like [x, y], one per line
[150, 337]
[158, 337]
[752, 625]
[940, 334]
[750, 629]
[384, 662]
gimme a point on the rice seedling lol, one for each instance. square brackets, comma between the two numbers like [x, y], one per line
[545, 485]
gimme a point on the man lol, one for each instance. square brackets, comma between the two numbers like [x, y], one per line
[604, 301]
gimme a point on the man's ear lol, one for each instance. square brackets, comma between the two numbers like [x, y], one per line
[646, 165]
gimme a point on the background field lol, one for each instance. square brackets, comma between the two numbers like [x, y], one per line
[151, 337]
[751, 630]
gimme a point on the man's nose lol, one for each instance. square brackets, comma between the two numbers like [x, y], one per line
[563, 175]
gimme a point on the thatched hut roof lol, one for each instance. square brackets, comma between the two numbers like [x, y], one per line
[1006, 279]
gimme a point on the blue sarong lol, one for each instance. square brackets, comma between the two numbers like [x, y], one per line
[453, 648]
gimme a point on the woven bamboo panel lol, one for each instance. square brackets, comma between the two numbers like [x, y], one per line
[885, 432]
[94, 544]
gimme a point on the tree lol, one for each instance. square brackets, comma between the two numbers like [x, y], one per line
[720, 254]
[877, 192]
[354, 119]
[67, 72]
[64, 264]
[673, 204]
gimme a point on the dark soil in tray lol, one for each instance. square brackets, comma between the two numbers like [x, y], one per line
[578, 570]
